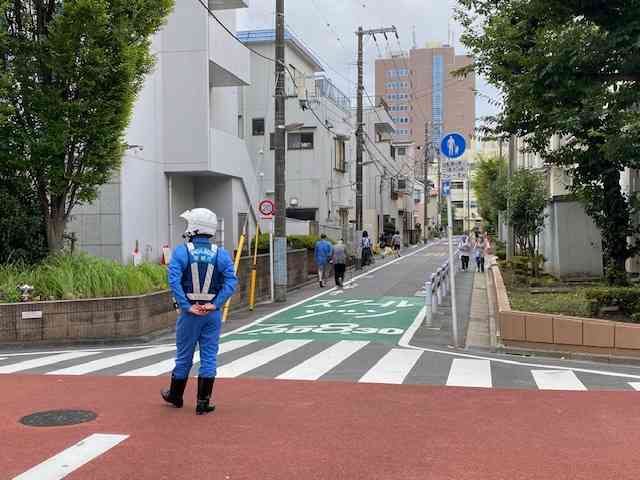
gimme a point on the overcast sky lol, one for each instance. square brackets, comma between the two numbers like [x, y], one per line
[328, 28]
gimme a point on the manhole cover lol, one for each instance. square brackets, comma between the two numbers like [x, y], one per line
[57, 418]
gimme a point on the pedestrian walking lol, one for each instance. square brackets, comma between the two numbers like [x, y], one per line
[397, 242]
[339, 261]
[479, 252]
[366, 248]
[465, 247]
[322, 255]
[202, 278]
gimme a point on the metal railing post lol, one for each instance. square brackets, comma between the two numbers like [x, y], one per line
[428, 304]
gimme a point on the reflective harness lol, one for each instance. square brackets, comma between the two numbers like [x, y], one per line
[201, 294]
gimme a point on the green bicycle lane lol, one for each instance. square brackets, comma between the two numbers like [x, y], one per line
[328, 319]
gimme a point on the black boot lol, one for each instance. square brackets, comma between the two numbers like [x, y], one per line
[174, 394]
[205, 387]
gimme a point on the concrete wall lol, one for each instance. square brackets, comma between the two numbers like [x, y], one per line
[571, 242]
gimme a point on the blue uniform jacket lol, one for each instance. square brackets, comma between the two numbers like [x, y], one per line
[224, 280]
[323, 252]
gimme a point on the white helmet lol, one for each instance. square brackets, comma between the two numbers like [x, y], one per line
[200, 221]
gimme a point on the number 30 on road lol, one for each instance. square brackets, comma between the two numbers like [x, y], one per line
[331, 328]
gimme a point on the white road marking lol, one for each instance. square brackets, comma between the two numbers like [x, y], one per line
[320, 364]
[557, 380]
[43, 361]
[470, 373]
[635, 385]
[393, 367]
[168, 365]
[71, 459]
[113, 361]
[259, 358]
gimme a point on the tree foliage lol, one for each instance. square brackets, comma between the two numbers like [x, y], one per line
[72, 69]
[571, 69]
[489, 183]
[527, 199]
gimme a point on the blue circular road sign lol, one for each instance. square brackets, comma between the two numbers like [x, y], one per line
[453, 145]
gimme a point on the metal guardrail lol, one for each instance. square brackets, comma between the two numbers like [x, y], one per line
[436, 290]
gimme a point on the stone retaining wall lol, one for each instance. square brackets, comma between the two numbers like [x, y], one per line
[562, 333]
[113, 318]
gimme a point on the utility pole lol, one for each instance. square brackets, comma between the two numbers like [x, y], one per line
[280, 227]
[468, 199]
[359, 116]
[427, 159]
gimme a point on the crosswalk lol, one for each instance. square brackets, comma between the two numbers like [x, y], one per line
[354, 361]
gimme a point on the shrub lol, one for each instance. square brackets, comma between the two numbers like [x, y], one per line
[69, 276]
[627, 299]
[303, 241]
[263, 243]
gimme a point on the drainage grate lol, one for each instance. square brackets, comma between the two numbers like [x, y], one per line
[58, 418]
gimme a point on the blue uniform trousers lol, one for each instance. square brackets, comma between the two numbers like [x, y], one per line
[203, 331]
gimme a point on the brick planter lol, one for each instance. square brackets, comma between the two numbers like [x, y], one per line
[559, 332]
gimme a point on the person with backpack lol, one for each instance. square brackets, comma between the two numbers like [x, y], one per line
[366, 245]
[396, 240]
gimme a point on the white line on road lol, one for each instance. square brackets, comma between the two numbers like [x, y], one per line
[71, 459]
[393, 367]
[259, 358]
[43, 361]
[168, 365]
[470, 373]
[557, 380]
[323, 362]
[635, 385]
[108, 362]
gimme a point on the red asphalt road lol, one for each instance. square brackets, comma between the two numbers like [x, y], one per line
[317, 430]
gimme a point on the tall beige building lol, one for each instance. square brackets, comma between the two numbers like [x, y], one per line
[420, 89]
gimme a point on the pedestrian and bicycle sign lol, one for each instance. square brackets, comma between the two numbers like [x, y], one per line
[453, 145]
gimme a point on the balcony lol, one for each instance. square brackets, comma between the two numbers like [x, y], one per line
[227, 4]
[229, 63]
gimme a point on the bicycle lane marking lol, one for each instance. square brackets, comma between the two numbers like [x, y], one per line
[262, 320]
[384, 319]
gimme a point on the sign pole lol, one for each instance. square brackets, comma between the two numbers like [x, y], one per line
[452, 273]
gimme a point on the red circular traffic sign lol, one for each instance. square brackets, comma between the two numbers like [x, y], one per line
[267, 207]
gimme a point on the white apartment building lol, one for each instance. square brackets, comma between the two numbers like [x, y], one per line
[186, 147]
[320, 137]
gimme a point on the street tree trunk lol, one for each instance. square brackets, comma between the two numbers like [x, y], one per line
[56, 224]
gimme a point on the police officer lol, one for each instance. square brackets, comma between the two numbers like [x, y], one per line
[202, 278]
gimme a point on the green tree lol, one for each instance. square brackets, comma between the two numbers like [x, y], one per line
[489, 182]
[73, 69]
[527, 197]
[569, 68]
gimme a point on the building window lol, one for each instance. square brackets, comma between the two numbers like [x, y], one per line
[341, 163]
[257, 126]
[272, 141]
[300, 141]
[457, 185]
[240, 126]
[457, 204]
[402, 151]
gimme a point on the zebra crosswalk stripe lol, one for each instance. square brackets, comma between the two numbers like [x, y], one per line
[43, 361]
[470, 373]
[112, 361]
[165, 366]
[557, 380]
[321, 363]
[393, 367]
[259, 358]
